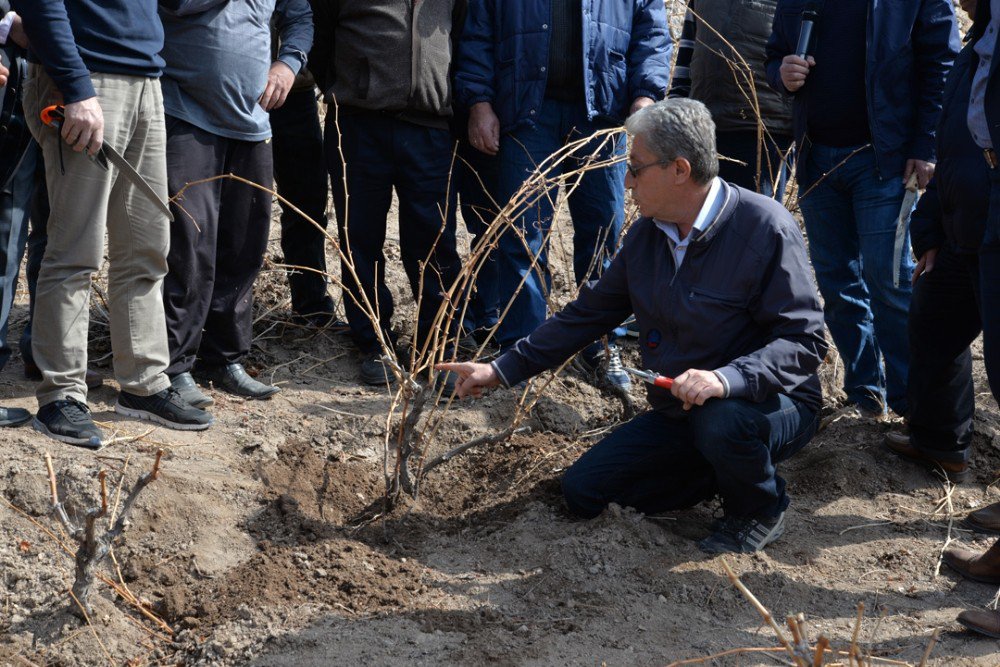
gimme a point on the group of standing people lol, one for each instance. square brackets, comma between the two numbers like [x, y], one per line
[188, 90]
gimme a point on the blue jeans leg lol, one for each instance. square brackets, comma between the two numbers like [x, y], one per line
[15, 201]
[850, 217]
[647, 463]
[744, 442]
[656, 463]
[478, 190]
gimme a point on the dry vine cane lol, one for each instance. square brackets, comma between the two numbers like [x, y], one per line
[94, 545]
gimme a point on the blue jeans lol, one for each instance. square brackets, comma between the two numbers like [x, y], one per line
[850, 217]
[15, 205]
[596, 206]
[989, 286]
[731, 447]
[478, 176]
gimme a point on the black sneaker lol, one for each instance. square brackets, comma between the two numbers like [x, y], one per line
[374, 372]
[69, 421]
[743, 534]
[166, 408]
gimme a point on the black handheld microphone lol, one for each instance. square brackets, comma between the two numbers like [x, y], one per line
[809, 17]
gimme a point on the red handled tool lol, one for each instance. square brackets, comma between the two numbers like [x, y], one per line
[54, 116]
[652, 378]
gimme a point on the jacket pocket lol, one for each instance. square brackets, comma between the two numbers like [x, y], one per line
[708, 296]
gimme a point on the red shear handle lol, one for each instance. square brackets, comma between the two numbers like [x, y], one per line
[662, 381]
[54, 115]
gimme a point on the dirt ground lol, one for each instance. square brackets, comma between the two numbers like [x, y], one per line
[260, 543]
[257, 544]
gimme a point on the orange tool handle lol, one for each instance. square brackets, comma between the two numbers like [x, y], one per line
[663, 381]
[54, 115]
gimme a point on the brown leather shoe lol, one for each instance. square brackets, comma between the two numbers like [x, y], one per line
[984, 621]
[984, 520]
[955, 472]
[32, 372]
[984, 567]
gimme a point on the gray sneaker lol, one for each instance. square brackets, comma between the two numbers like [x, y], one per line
[743, 534]
[166, 408]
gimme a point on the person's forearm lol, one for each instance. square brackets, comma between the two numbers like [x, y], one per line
[47, 26]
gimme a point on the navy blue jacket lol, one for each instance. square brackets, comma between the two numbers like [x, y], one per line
[504, 52]
[954, 207]
[743, 302]
[73, 38]
[910, 47]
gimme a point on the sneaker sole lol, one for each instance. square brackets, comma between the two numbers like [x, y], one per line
[79, 442]
[145, 415]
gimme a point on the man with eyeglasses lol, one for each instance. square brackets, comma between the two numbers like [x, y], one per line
[723, 295]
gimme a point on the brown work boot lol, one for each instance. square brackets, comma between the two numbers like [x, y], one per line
[954, 472]
[984, 520]
[984, 567]
[984, 621]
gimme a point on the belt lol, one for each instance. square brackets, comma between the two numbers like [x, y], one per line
[991, 157]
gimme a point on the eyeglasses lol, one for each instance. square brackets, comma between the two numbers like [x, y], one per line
[634, 170]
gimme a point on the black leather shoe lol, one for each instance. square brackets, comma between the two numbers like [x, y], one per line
[14, 416]
[233, 378]
[185, 386]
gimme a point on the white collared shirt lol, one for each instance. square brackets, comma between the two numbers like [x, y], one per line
[706, 217]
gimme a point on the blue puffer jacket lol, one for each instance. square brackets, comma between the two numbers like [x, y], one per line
[910, 47]
[504, 52]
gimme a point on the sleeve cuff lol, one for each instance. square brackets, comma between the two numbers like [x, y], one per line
[294, 59]
[500, 373]
[656, 97]
[732, 379]
[77, 89]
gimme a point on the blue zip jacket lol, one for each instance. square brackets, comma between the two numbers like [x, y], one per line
[504, 53]
[910, 47]
[742, 303]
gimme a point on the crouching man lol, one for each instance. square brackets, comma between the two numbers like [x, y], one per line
[719, 282]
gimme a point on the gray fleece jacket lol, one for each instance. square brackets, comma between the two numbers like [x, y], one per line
[743, 303]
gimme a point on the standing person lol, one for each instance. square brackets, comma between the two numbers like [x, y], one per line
[983, 118]
[946, 312]
[217, 123]
[720, 61]
[111, 92]
[300, 174]
[538, 75]
[18, 155]
[704, 256]
[866, 104]
[385, 68]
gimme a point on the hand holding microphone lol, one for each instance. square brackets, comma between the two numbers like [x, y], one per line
[795, 68]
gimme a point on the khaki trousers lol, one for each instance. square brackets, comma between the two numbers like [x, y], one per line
[86, 201]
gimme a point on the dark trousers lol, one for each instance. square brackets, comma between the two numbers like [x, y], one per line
[729, 447]
[989, 281]
[217, 244]
[300, 173]
[944, 320]
[765, 171]
[478, 183]
[38, 236]
[381, 153]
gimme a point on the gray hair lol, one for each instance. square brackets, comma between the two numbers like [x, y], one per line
[679, 127]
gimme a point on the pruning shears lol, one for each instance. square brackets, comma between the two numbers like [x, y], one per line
[54, 116]
[652, 378]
